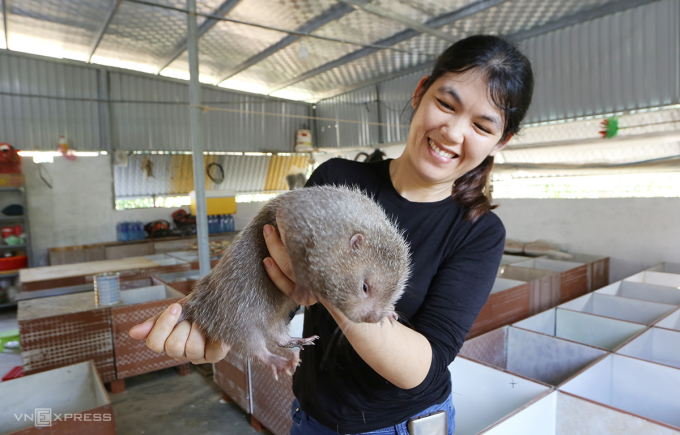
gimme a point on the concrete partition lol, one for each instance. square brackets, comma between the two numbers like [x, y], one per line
[643, 388]
[573, 275]
[560, 413]
[672, 321]
[583, 328]
[630, 310]
[666, 267]
[658, 278]
[657, 345]
[483, 395]
[74, 389]
[535, 356]
[646, 292]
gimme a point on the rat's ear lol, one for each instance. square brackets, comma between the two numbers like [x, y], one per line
[356, 241]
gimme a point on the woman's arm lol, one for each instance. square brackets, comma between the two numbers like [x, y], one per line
[397, 353]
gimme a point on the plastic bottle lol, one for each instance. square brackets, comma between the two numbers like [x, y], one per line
[124, 232]
[119, 235]
[232, 223]
[142, 234]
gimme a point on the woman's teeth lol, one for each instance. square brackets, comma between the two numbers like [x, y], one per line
[440, 151]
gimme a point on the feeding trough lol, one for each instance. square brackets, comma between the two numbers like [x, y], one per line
[643, 388]
[573, 275]
[657, 345]
[560, 413]
[67, 400]
[630, 310]
[672, 321]
[658, 278]
[535, 356]
[483, 395]
[583, 328]
[646, 292]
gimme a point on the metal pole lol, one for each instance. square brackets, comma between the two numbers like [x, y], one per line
[197, 142]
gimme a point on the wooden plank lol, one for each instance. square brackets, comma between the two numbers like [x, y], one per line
[83, 269]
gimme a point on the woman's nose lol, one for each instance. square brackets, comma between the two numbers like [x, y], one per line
[453, 131]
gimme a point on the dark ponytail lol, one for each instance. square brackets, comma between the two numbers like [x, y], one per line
[511, 83]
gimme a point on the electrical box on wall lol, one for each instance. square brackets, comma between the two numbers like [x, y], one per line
[217, 201]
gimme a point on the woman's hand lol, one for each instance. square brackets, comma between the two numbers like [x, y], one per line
[182, 341]
[280, 271]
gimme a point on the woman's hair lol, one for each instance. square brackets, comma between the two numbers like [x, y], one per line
[511, 85]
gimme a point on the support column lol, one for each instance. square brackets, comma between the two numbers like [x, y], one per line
[195, 115]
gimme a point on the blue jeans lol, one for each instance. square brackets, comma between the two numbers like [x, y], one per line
[303, 424]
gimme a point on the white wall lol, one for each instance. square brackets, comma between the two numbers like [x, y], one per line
[635, 232]
[79, 209]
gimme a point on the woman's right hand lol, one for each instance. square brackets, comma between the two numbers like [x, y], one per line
[182, 341]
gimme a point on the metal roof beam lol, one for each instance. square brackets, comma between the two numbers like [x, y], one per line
[208, 24]
[327, 16]
[580, 17]
[408, 22]
[102, 28]
[439, 21]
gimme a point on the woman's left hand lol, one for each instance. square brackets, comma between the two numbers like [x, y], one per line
[279, 269]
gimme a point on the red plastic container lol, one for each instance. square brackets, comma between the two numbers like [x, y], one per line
[11, 263]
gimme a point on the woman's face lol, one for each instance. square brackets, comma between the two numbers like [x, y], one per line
[455, 127]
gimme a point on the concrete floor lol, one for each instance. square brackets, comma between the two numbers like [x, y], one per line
[161, 402]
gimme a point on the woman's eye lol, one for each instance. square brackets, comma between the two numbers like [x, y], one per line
[365, 288]
[447, 106]
[483, 129]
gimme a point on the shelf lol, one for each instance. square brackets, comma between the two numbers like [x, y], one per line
[13, 246]
[7, 189]
[11, 274]
[11, 218]
[9, 304]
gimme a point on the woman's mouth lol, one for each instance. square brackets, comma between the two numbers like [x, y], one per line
[440, 151]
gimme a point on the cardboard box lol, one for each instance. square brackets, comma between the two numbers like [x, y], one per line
[74, 392]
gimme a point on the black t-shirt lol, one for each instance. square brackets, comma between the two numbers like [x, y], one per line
[454, 265]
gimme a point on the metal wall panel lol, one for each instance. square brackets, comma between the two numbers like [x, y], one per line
[395, 108]
[35, 122]
[623, 61]
[359, 105]
[173, 174]
[152, 114]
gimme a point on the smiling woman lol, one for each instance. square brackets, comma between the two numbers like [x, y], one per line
[373, 378]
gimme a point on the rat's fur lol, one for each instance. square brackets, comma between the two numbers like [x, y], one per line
[337, 239]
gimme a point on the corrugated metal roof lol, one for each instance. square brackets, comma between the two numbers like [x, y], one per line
[350, 48]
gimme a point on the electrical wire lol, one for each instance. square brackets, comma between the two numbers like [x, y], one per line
[42, 176]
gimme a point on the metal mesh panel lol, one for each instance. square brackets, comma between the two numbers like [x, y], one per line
[69, 26]
[142, 35]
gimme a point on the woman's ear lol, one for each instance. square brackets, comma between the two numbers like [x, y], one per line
[500, 145]
[418, 93]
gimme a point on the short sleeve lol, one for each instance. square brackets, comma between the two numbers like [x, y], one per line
[457, 293]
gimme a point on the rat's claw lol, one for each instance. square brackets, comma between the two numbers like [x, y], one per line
[393, 316]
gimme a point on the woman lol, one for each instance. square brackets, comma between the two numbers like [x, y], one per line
[377, 378]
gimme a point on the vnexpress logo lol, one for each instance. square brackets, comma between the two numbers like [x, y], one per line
[43, 417]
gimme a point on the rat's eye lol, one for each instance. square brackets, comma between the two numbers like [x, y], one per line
[365, 288]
